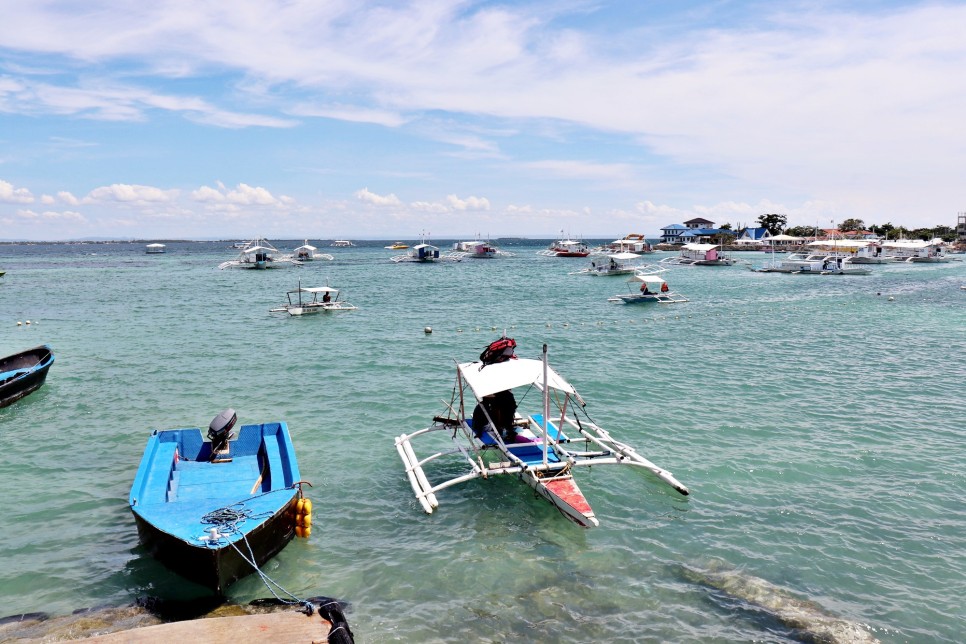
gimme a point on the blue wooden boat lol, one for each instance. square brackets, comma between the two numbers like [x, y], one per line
[23, 373]
[214, 510]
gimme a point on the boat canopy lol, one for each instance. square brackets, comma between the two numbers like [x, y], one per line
[908, 243]
[316, 289]
[841, 243]
[648, 279]
[306, 247]
[258, 249]
[623, 256]
[700, 247]
[492, 378]
[155, 246]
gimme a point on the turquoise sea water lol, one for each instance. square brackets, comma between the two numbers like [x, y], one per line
[818, 422]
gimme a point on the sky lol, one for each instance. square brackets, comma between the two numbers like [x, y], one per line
[196, 119]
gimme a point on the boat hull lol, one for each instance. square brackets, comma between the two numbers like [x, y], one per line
[218, 568]
[563, 493]
[36, 362]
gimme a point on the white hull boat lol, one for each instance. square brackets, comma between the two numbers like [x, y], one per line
[313, 299]
[543, 446]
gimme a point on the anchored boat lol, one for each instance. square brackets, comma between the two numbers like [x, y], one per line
[313, 299]
[700, 255]
[258, 254]
[215, 511]
[24, 373]
[544, 447]
[648, 286]
[309, 253]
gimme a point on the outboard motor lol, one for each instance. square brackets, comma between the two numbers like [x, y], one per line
[219, 433]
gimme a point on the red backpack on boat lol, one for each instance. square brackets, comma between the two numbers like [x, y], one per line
[498, 351]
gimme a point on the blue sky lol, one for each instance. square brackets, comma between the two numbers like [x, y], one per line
[360, 119]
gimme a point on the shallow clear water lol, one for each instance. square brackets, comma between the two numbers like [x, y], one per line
[817, 422]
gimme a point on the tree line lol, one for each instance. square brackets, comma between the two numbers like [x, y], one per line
[776, 225]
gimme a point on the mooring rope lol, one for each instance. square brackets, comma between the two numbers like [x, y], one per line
[226, 522]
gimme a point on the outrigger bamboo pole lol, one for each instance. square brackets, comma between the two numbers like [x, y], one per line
[546, 404]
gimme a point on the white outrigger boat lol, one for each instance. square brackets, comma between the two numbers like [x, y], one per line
[478, 249]
[317, 299]
[543, 448]
[700, 255]
[812, 264]
[649, 287]
[308, 253]
[426, 254]
[259, 254]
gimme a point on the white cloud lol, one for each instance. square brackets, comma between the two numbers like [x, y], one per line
[470, 203]
[10, 194]
[241, 195]
[129, 193]
[368, 197]
[351, 113]
[68, 198]
[428, 206]
[51, 216]
[47, 200]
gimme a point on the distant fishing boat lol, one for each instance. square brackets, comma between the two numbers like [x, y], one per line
[214, 510]
[313, 299]
[155, 249]
[259, 254]
[308, 253]
[24, 373]
[565, 248]
[700, 255]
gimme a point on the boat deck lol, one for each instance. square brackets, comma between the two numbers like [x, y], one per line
[181, 485]
[528, 447]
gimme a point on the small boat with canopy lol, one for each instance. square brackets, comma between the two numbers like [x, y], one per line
[309, 253]
[313, 299]
[649, 287]
[543, 446]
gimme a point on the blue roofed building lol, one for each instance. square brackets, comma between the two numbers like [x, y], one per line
[693, 231]
[754, 234]
[672, 234]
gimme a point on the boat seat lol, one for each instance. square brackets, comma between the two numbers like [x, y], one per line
[532, 453]
[160, 473]
[553, 433]
[276, 475]
[11, 374]
[202, 480]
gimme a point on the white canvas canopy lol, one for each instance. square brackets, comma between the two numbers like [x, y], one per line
[306, 247]
[155, 246]
[648, 279]
[316, 289]
[908, 243]
[623, 256]
[258, 249]
[509, 375]
[841, 243]
[700, 247]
